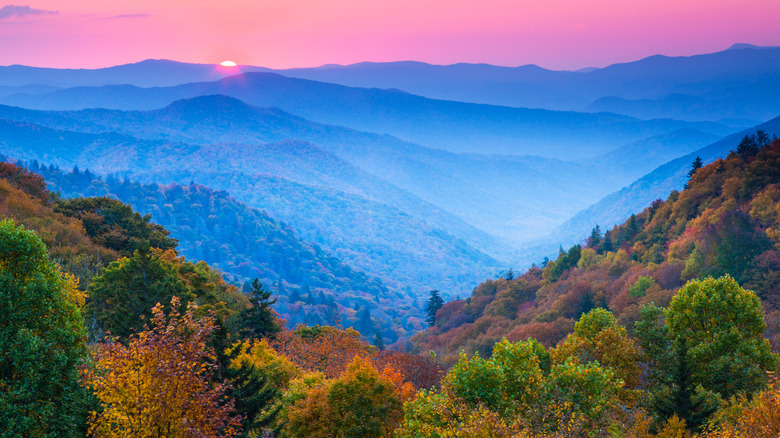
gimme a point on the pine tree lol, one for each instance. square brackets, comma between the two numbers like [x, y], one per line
[509, 275]
[435, 302]
[258, 321]
[254, 394]
[606, 243]
[684, 401]
[595, 237]
[696, 165]
[747, 146]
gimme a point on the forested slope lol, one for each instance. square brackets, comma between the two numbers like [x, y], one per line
[726, 221]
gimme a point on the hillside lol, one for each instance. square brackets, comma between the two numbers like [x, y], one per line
[617, 206]
[725, 222]
[509, 197]
[311, 286]
[338, 220]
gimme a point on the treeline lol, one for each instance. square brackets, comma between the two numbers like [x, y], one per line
[725, 222]
[312, 286]
[204, 365]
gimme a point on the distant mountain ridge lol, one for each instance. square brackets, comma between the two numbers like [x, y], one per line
[447, 125]
[371, 235]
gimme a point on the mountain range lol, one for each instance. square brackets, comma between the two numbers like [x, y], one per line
[419, 190]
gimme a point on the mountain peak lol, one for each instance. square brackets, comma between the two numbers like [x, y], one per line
[742, 46]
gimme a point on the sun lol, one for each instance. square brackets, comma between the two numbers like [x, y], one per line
[228, 64]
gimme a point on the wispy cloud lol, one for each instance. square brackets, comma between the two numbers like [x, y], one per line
[129, 16]
[8, 11]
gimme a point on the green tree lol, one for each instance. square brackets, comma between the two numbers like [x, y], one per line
[722, 325]
[124, 292]
[259, 321]
[595, 237]
[41, 342]
[707, 345]
[255, 398]
[435, 302]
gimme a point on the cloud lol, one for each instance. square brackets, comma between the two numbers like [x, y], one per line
[130, 16]
[8, 11]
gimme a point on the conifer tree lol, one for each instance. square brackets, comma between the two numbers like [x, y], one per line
[258, 321]
[254, 395]
[696, 165]
[435, 302]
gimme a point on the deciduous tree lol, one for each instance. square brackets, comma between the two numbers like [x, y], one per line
[41, 342]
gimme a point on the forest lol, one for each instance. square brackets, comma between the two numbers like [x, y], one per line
[664, 326]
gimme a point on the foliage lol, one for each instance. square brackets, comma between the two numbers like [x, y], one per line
[41, 341]
[515, 391]
[323, 349]
[115, 225]
[259, 321]
[124, 292]
[434, 304]
[160, 383]
[639, 289]
[255, 398]
[598, 338]
[360, 402]
[722, 326]
[726, 221]
[756, 418]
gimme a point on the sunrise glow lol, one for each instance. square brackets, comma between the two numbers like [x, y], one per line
[228, 64]
[558, 34]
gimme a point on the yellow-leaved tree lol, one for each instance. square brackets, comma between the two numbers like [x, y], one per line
[159, 384]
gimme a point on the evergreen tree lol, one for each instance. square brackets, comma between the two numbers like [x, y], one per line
[747, 146]
[606, 243]
[435, 302]
[696, 165]
[509, 275]
[684, 401]
[364, 323]
[258, 321]
[254, 394]
[379, 341]
[595, 237]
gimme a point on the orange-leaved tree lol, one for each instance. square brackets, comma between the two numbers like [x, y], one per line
[159, 384]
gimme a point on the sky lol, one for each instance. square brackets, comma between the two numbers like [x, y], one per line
[555, 34]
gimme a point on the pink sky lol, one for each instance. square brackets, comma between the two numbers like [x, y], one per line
[558, 34]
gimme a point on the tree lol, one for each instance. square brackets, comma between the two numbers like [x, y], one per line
[259, 320]
[41, 342]
[435, 302]
[517, 392]
[696, 165]
[509, 275]
[595, 237]
[254, 396]
[709, 346]
[379, 342]
[160, 383]
[598, 338]
[361, 402]
[722, 326]
[125, 291]
[747, 146]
